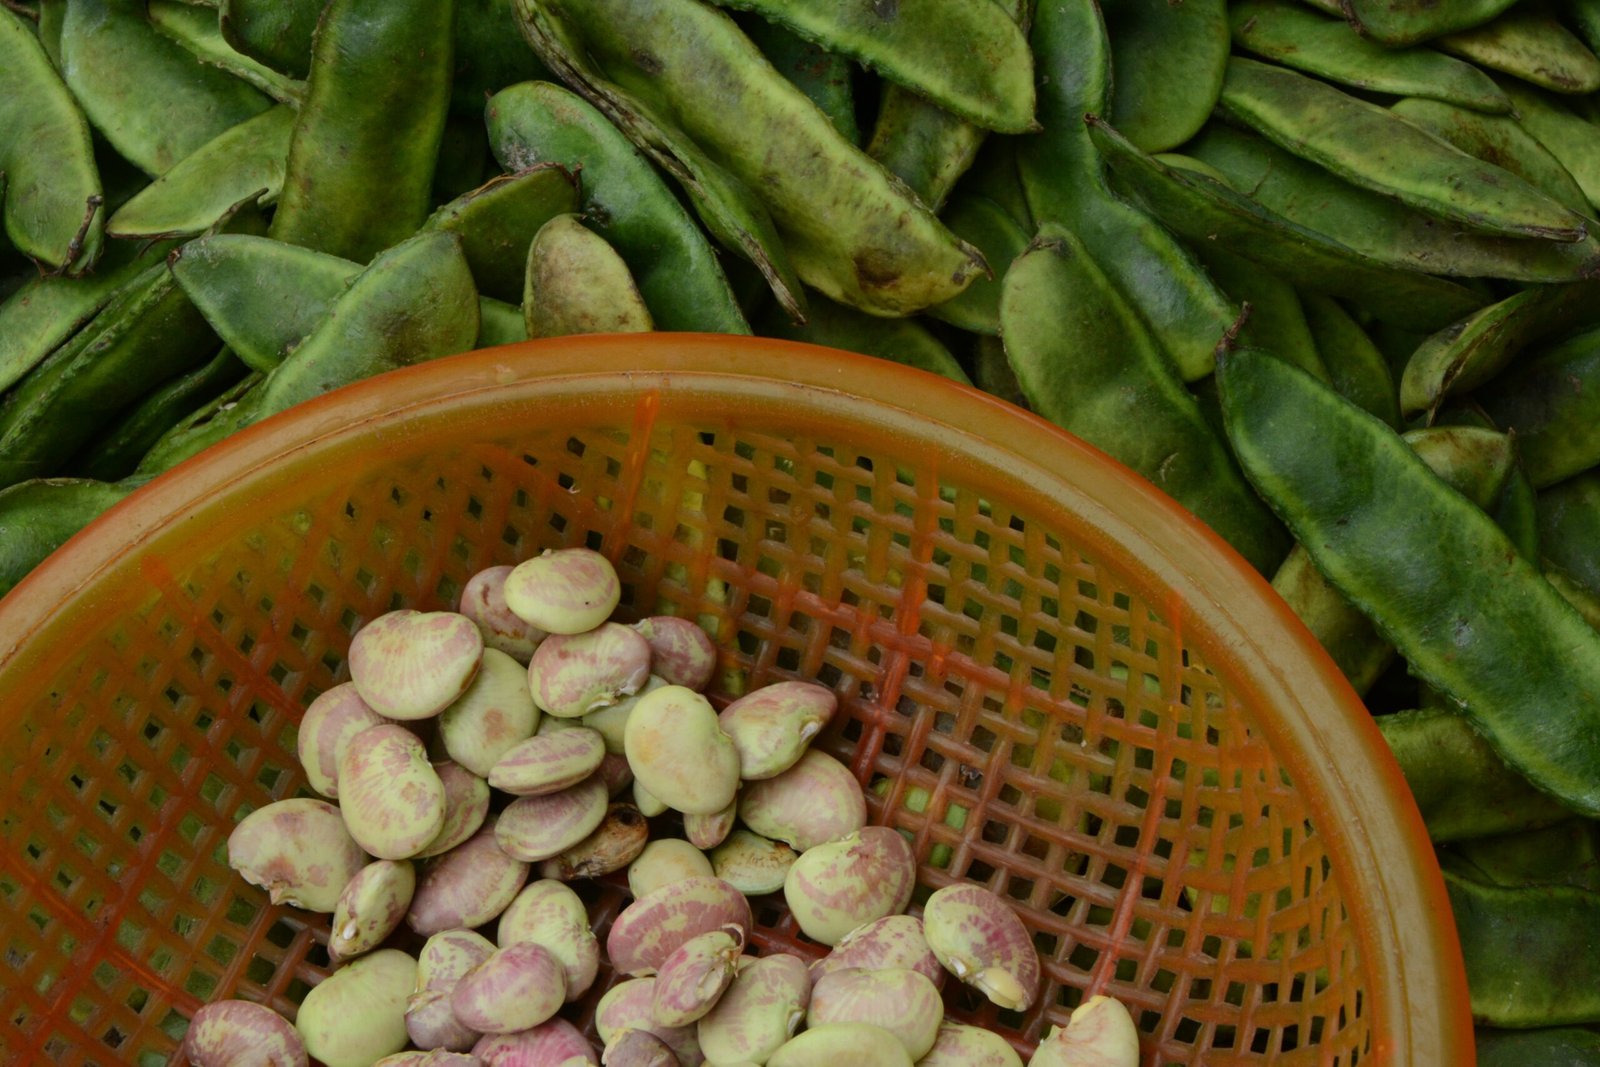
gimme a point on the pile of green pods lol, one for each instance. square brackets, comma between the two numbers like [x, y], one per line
[1326, 273]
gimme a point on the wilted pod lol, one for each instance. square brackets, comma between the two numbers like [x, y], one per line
[834, 888]
[842, 1045]
[516, 988]
[493, 715]
[536, 828]
[556, 1043]
[483, 600]
[564, 591]
[693, 978]
[664, 861]
[652, 927]
[571, 675]
[900, 1001]
[430, 1021]
[412, 665]
[615, 843]
[959, 1045]
[979, 938]
[627, 1006]
[326, 729]
[298, 850]
[371, 907]
[815, 801]
[241, 1033]
[892, 941]
[466, 806]
[548, 763]
[550, 914]
[358, 1013]
[677, 749]
[772, 727]
[681, 653]
[1099, 1032]
[467, 886]
[391, 797]
[761, 1009]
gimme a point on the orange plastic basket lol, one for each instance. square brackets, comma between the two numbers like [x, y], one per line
[1057, 681]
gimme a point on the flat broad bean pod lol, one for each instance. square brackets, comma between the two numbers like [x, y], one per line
[1552, 403]
[1154, 46]
[1394, 23]
[1373, 517]
[1569, 529]
[825, 77]
[1573, 140]
[274, 32]
[1566, 853]
[624, 199]
[1356, 368]
[197, 29]
[1064, 182]
[37, 517]
[1529, 44]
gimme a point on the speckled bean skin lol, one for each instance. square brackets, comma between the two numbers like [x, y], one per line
[627, 1006]
[445, 957]
[898, 1000]
[391, 797]
[772, 727]
[571, 675]
[494, 714]
[412, 665]
[516, 988]
[298, 850]
[564, 591]
[842, 1045]
[536, 828]
[556, 1043]
[693, 978]
[370, 908]
[709, 831]
[761, 1009]
[548, 763]
[483, 600]
[834, 888]
[980, 940]
[639, 1048]
[652, 927]
[892, 941]
[466, 806]
[680, 652]
[241, 1033]
[329, 723]
[959, 1045]
[549, 913]
[678, 750]
[431, 1058]
[467, 886]
[815, 801]
[357, 1014]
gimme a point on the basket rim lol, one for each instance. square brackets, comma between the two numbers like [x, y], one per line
[1422, 1016]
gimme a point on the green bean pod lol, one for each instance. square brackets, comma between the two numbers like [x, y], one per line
[1569, 529]
[1470, 353]
[1156, 45]
[1573, 140]
[148, 95]
[37, 517]
[624, 200]
[1373, 517]
[197, 191]
[852, 231]
[1552, 403]
[1276, 322]
[992, 372]
[360, 169]
[824, 76]
[1567, 853]
[898, 340]
[1369, 146]
[1547, 1047]
[1377, 227]
[490, 54]
[497, 221]
[499, 323]
[1356, 368]
[1395, 23]
[991, 230]
[1064, 181]
[576, 283]
[1497, 139]
[274, 32]
[965, 56]
[1530, 952]
[1203, 210]
[1086, 362]
[196, 29]
[1463, 789]
[1287, 33]
[1529, 44]
[51, 14]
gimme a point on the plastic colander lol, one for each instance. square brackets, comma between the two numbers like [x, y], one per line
[1054, 680]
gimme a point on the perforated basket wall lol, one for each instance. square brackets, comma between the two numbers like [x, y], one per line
[1039, 683]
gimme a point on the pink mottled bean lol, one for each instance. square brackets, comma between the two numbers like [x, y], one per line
[709, 831]
[548, 763]
[834, 888]
[892, 941]
[772, 727]
[549, 913]
[959, 1045]
[899, 1000]
[664, 861]
[371, 907]
[493, 715]
[413, 665]
[467, 886]
[571, 675]
[815, 801]
[1100, 1033]
[483, 600]
[678, 750]
[536, 828]
[357, 1015]
[680, 651]
[556, 1043]
[639, 1048]
[325, 732]
[466, 806]
[443, 960]
[517, 988]
[241, 1033]
[298, 850]
[627, 1006]
[391, 797]
[693, 978]
[980, 940]
[761, 1010]
[616, 773]
[564, 591]
[433, 1058]
[652, 927]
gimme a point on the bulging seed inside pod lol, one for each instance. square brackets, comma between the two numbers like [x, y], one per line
[241, 1033]
[325, 732]
[466, 887]
[466, 806]
[564, 591]
[299, 851]
[371, 907]
[358, 1013]
[834, 888]
[980, 940]
[390, 795]
[615, 843]
[652, 927]
[815, 801]
[412, 665]
[536, 828]
[772, 727]
[493, 715]
[483, 600]
[571, 675]
[899, 1000]
[761, 1009]
[430, 1021]
[678, 750]
[681, 652]
[693, 978]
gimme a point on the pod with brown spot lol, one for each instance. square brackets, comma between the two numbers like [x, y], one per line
[467, 886]
[815, 801]
[772, 727]
[834, 888]
[898, 1000]
[494, 714]
[411, 664]
[564, 591]
[664, 861]
[678, 750]
[549, 763]
[693, 978]
[391, 797]
[445, 957]
[327, 727]
[536, 828]
[892, 941]
[615, 843]
[626, 1006]
[752, 864]
[298, 850]
[652, 927]
[242, 1033]
[761, 1009]
[370, 908]
[358, 1013]
[571, 675]
[483, 600]
[548, 913]
[516, 988]
[681, 653]
[980, 940]
[466, 806]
